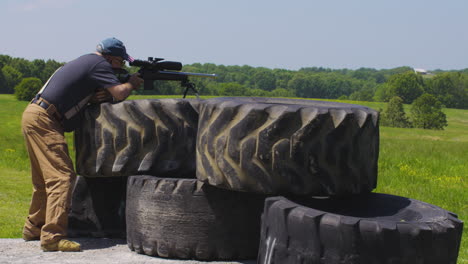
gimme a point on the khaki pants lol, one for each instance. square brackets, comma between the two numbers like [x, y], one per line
[52, 172]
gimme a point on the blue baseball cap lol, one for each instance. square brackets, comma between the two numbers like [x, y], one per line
[113, 47]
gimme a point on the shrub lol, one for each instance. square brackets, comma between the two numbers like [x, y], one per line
[232, 89]
[27, 88]
[426, 112]
[280, 92]
[394, 115]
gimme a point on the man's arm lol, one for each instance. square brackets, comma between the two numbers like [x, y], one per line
[122, 91]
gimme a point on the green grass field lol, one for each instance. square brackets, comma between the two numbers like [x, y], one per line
[426, 165]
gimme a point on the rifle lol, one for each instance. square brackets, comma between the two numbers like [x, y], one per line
[158, 69]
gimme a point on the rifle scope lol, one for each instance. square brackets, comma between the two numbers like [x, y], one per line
[157, 64]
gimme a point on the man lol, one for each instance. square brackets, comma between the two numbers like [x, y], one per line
[53, 111]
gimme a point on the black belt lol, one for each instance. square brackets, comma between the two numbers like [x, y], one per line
[42, 104]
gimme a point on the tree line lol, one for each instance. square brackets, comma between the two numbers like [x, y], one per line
[450, 88]
[14, 70]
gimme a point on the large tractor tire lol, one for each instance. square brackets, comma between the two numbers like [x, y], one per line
[274, 146]
[364, 229]
[98, 208]
[186, 219]
[155, 137]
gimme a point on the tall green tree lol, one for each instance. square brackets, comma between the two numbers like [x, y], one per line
[282, 78]
[368, 74]
[3, 85]
[4, 60]
[394, 115]
[382, 93]
[366, 93]
[426, 112]
[264, 79]
[408, 86]
[37, 66]
[460, 91]
[450, 89]
[22, 65]
[335, 85]
[301, 85]
[11, 78]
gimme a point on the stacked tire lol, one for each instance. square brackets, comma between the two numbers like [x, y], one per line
[370, 228]
[286, 181]
[150, 145]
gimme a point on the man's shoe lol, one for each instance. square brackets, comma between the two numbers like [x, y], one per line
[62, 245]
[30, 238]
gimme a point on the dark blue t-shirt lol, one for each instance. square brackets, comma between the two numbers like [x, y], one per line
[77, 79]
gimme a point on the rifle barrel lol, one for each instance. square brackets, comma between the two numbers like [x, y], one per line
[206, 75]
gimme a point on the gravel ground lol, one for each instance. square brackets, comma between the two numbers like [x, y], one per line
[94, 250]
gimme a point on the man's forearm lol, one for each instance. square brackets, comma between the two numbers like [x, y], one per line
[122, 91]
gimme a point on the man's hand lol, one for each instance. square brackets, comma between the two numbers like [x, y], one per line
[101, 96]
[135, 81]
[122, 91]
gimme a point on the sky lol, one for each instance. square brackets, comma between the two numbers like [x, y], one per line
[285, 34]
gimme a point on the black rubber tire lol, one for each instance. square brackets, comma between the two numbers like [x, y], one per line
[186, 219]
[279, 146]
[373, 228]
[98, 208]
[151, 136]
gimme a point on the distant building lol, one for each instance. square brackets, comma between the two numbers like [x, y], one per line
[421, 71]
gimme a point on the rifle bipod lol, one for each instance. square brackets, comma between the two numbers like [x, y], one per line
[189, 86]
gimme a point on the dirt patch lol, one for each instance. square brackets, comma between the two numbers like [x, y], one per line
[431, 138]
[97, 251]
